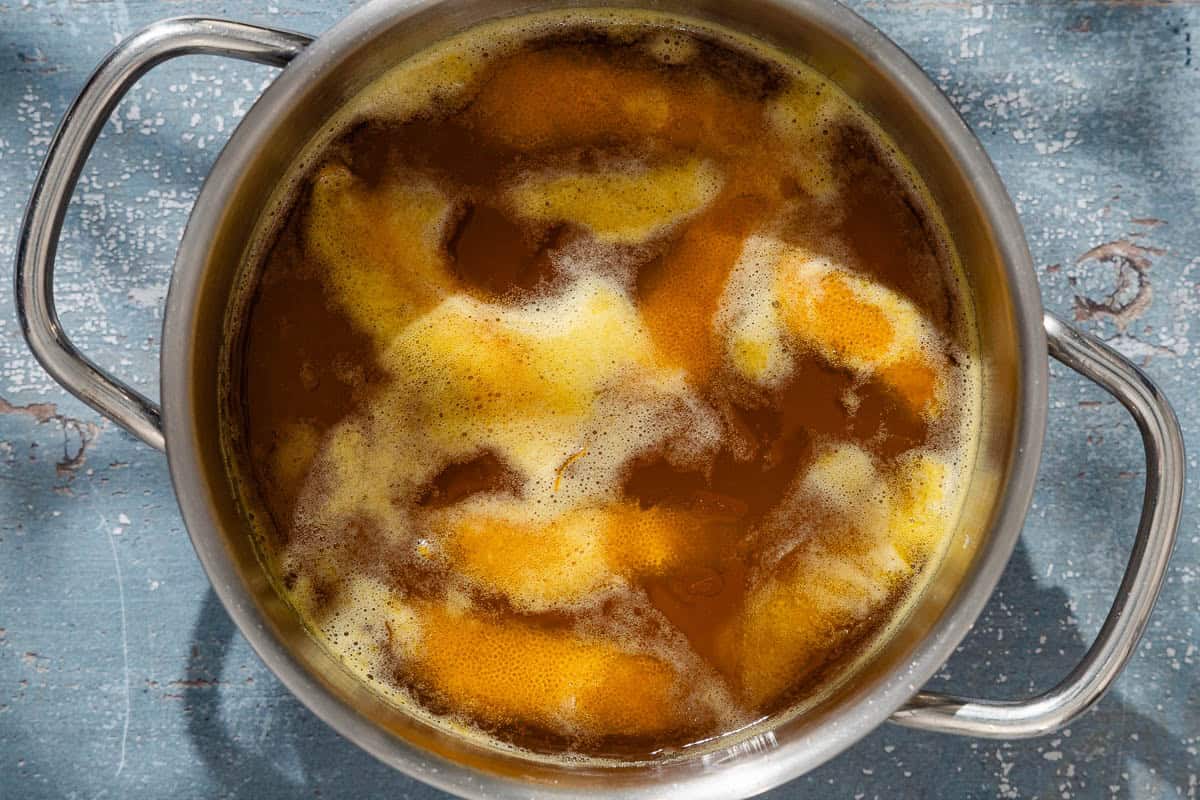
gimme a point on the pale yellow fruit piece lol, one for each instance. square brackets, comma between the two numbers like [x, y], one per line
[380, 247]
[802, 115]
[795, 617]
[920, 512]
[624, 205]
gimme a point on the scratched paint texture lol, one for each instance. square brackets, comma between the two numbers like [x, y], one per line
[122, 676]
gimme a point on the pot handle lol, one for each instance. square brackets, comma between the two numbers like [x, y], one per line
[80, 126]
[1118, 638]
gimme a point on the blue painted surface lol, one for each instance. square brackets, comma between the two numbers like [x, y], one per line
[121, 675]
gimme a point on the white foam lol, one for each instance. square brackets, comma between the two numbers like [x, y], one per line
[369, 626]
[747, 317]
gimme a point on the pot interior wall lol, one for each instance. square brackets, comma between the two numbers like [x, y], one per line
[266, 147]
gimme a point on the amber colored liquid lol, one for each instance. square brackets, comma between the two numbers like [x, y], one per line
[307, 361]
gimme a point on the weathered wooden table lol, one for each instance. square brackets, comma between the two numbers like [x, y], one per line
[122, 676]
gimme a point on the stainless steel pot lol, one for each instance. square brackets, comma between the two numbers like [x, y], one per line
[1016, 337]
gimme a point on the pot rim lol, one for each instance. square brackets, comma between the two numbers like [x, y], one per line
[770, 767]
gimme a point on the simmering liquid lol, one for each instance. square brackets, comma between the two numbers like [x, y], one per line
[604, 384]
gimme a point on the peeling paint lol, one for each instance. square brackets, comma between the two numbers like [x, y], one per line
[1132, 294]
[78, 435]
